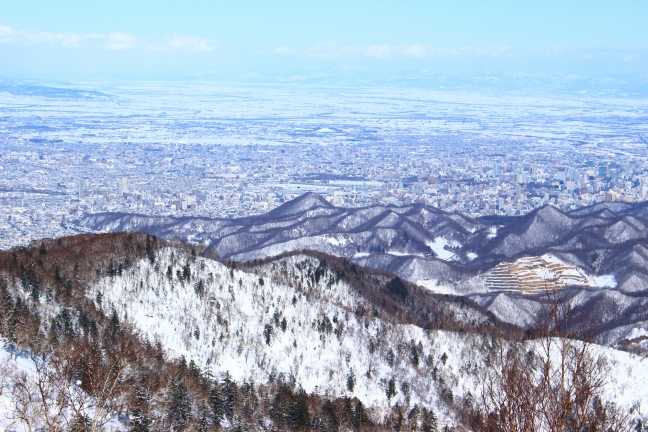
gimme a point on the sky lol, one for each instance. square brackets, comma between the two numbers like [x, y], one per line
[161, 39]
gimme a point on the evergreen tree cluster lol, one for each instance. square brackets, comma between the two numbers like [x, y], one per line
[94, 350]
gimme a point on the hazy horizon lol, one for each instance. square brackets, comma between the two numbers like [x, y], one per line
[379, 42]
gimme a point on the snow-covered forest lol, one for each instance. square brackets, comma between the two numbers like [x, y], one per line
[127, 332]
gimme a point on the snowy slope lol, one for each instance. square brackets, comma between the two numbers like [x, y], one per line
[324, 341]
[328, 337]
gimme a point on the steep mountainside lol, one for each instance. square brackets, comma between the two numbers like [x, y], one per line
[125, 332]
[303, 341]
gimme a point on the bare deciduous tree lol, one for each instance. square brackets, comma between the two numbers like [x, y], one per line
[53, 394]
[555, 383]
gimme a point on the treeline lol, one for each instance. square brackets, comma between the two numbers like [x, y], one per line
[54, 274]
[397, 298]
[91, 369]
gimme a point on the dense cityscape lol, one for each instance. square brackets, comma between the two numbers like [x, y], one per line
[59, 162]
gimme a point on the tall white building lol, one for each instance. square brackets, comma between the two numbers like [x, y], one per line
[122, 186]
[497, 169]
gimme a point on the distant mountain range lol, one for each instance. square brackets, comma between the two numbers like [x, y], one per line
[596, 256]
[23, 89]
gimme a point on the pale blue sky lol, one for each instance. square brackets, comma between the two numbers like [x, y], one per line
[163, 39]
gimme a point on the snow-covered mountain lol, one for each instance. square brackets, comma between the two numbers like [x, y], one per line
[296, 319]
[444, 252]
[178, 333]
[292, 320]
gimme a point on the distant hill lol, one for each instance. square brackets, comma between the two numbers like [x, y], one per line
[22, 89]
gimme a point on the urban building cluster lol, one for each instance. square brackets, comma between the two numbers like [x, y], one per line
[136, 152]
[43, 189]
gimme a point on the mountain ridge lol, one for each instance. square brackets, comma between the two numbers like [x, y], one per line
[188, 340]
[446, 253]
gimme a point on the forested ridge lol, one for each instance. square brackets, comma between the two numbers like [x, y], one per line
[95, 370]
[87, 366]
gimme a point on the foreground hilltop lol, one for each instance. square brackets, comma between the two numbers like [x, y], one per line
[302, 341]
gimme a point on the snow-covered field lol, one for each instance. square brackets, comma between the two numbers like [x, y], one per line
[438, 246]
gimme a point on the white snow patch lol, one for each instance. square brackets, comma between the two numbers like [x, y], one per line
[336, 240]
[397, 253]
[492, 233]
[434, 286]
[636, 333]
[333, 241]
[438, 246]
[603, 281]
